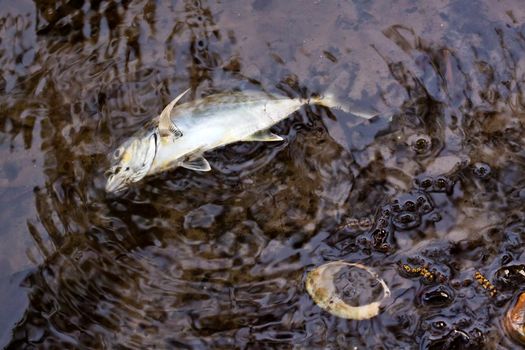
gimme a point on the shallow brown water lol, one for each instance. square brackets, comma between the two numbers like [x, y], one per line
[218, 260]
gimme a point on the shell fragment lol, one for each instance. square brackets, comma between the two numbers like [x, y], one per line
[321, 285]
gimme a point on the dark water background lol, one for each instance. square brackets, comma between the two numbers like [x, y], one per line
[218, 260]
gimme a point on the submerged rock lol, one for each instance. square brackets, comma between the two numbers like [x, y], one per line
[510, 277]
[437, 297]
[514, 320]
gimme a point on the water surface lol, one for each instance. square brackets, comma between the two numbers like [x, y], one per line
[218, 259]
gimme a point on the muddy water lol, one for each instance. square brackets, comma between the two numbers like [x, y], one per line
[218, 260]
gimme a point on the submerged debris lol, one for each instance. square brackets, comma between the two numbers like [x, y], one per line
[485, 283]
[324, 286]
[422, 271]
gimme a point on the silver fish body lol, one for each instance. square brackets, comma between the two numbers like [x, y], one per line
[218, 120]
[204, 124]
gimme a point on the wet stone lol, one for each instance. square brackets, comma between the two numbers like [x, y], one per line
[453, 328]
[513, 321]
[455, 339]
[437, 296]
[510, 277]
[439, 325]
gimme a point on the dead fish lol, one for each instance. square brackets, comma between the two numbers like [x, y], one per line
[182, 133]
[320, 284]
[514, 320]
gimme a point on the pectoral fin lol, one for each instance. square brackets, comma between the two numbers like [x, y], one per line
[197, 164]
[265, 136]
[166, 126]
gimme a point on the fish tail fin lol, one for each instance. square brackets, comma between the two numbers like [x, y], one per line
[330, 101]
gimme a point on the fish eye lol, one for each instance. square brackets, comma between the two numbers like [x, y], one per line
[127, 168]
[117, 153]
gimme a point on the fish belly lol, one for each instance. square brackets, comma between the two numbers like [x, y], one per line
[228, 125]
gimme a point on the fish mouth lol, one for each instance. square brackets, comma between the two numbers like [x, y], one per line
[133, 165]
[115, 184]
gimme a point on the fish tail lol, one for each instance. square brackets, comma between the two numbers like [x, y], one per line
[330, 101]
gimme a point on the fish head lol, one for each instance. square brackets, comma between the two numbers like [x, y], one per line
[131, 161]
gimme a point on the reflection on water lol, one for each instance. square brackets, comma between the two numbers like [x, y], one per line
[197, 260]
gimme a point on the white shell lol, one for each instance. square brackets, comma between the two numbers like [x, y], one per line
[320, 286]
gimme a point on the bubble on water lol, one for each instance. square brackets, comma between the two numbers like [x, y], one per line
[396, 207]
[403, 213]
[382, 223]
[424, 206]
[481, 170]
[439, 184]
[406, 220]
[379, 239]
[420, 143]
[426, 183]
[409, 206]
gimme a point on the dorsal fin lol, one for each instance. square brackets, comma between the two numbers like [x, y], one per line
[165, 124]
